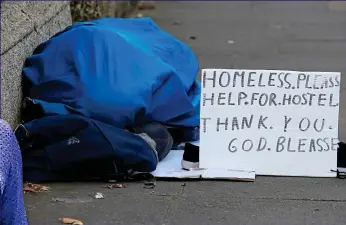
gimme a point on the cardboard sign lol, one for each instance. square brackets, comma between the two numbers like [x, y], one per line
[273, 122]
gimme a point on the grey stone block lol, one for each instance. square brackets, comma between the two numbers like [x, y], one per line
[21, 18]
[15, 24]
[12, 64]
[41, 12]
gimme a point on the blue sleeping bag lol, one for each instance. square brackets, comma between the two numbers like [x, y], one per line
[118, 71]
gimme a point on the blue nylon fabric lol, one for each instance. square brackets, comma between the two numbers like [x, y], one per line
[118, 71]
[96, 140]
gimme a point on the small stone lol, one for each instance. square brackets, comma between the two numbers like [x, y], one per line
[99, 195]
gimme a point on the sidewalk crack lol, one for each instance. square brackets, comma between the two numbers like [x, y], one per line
[168, 210]
[304, 199]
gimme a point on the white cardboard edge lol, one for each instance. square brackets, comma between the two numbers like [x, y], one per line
[170, 167]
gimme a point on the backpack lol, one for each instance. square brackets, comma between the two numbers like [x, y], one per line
[75, 148]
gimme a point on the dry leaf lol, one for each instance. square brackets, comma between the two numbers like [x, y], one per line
[34, 188]
[111, 186]
[45, 188]
[71, 221]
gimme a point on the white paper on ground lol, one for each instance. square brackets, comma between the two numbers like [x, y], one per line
[282, 123]
[170, 167]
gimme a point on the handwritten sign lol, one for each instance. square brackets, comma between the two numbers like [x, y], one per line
[273, 122]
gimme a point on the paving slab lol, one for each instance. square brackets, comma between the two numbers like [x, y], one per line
[207, 210]
[113, 209]
[282, 188]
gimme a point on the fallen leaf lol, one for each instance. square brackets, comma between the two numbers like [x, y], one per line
[111, 186]
[34, 188]
[71, 221]
[45, 188]
[99, 195]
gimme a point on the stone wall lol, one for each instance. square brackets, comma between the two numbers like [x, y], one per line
[24, 25]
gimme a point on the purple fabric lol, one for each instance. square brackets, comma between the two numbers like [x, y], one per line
[12, 211]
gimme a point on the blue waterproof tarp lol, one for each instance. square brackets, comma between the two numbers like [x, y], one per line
[118, 71]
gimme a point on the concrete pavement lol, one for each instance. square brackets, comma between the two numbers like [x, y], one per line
[247, 35]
